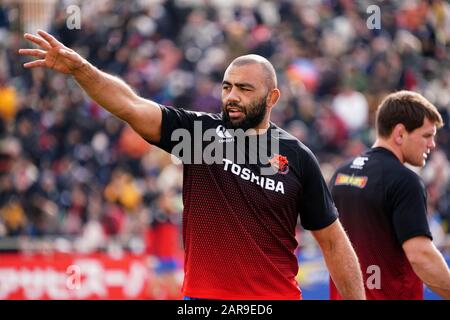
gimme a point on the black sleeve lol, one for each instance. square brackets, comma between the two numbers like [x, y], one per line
[409, 207]
[172, 119]
[332, 182]
[317, 209]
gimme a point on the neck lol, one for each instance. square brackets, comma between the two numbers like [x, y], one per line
[260, 129]
[383, 143]
[263, 126]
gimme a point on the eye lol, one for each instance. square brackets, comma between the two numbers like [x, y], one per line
[245, 88]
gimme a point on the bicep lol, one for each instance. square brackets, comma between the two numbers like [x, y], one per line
[146, 119]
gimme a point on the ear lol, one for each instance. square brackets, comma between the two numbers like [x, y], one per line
[398, 134]
[273, 97]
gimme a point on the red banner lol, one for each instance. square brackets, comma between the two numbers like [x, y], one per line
[64, 276]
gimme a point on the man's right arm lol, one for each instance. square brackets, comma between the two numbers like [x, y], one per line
[144, 116]
[429, 264]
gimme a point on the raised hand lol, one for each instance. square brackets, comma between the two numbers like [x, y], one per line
[53, 54]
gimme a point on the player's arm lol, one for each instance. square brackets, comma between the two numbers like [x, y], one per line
[144, 116]
[429, 264]
[341, 261]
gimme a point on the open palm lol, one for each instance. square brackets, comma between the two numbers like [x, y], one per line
[53, 54]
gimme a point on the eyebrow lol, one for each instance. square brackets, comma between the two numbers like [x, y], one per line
[431, 133]
[240, 84]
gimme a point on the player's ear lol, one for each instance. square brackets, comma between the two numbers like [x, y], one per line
[272, 97]
[398, 133]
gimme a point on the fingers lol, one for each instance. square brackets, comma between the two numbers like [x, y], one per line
[50, 39]
[33, 52]
[40, 42]
[34, 64]
[47, 41]
[74, 57]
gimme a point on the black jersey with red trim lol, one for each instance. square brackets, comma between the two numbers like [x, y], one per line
[238, 223]
[381, 204]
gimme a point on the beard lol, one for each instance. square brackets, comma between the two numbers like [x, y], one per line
[254, 113]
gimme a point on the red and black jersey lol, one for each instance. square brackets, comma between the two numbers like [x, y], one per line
[381, 204]
[238, 223]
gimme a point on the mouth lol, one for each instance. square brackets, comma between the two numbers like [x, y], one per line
[234, 112]
[425, 155]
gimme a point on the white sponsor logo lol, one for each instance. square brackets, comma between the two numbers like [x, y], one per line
[359, 162]
[223, 133]
[192, 149]
[248, 175]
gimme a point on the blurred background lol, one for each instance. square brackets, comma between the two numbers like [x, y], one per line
[88, 210]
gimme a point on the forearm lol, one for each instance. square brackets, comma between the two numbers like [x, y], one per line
[344, 269]
[108, 91]
[341, 260]
[433, 271]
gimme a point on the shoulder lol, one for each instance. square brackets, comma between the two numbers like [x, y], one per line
[405, 178]
[291, 143]
[180, 117]
[190, 113]
[299, 156]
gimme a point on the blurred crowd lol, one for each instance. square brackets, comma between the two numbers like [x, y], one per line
[70, 170]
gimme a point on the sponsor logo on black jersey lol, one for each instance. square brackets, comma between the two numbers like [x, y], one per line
[359, 162]
[354, 181]
[248, 175]
[280, 163]
[224, 134]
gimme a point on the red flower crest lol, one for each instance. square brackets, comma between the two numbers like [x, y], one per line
[280, 163]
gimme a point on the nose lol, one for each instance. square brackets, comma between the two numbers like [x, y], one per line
[232, 96]
[431, 144]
